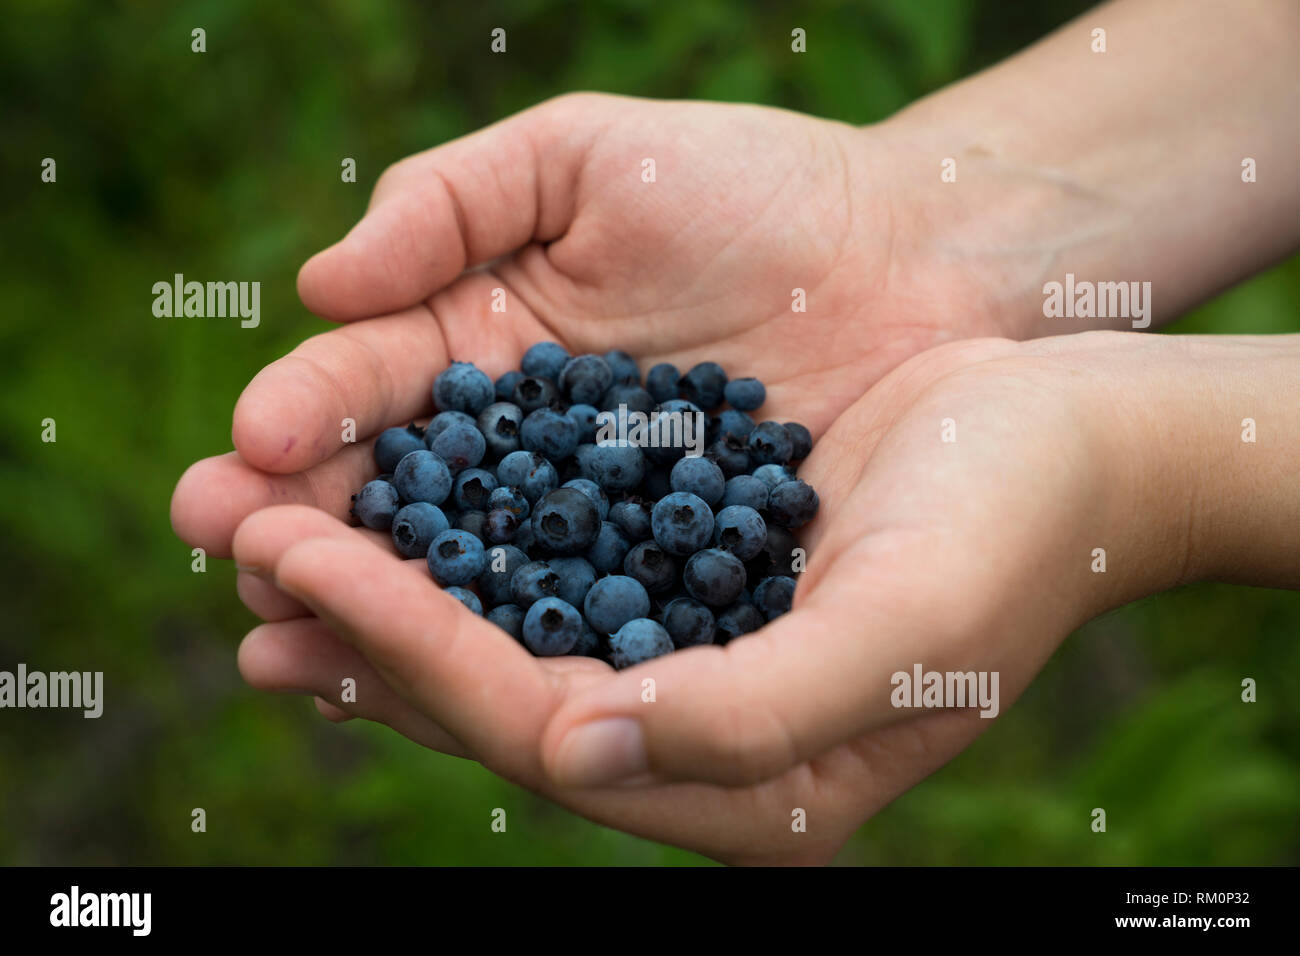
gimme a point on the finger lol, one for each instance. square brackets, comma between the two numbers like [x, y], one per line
[266, 600]
[461, 204]
[304, 657]
[331, 713]
[262, 537]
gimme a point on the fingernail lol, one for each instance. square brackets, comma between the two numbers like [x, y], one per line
[601, 753]
[250, 569]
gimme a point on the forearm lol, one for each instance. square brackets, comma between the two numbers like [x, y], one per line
[1117, 166]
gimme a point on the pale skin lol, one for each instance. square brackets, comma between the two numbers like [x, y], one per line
[973, 554]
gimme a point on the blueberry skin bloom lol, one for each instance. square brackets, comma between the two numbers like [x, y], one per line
[733, 422]
[700, 477]
[613, 601]
[714, 577]
[463, 388]
[633, 516]
[688, 622]
[415, 527]
[533, 393]
[772, 475]
[745, 394]
[376, 504]
[774, 596]
[549, 432]
[532, 582]
[473, 488]
[615, 467]
[638, 641]
[576, 578]
[649, 564]
[423, 476]
[704, 385]
[552, 627]
[528, 471]
[510, 618]
[499, 424]
[607, 552]
[746, 490]
[661, 381]
[503, 560]
[585, 379]
[512, 500]
[566, 521]
[592, 491]
[460, 445]
[740, 530]
[682, 523]
[467, 598]
[545, 360]
[793, 503]
[584, 416]
[456, 558]
[441, 422]
[770, 444]
[394, 443]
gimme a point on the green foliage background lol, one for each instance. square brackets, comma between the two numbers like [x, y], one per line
[227, 164]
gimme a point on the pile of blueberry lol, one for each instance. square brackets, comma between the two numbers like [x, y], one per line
[616, 549]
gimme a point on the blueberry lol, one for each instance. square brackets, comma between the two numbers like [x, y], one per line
[475, 522]
[633, 516]
[679, 425]
[461, 446]
[623, 367]
[576, 578]
[732, 422]
[415, 527]
[456, 558]
[566, 521]
[772, 475]
[499, 424]
[615, 467]
[769, 443]
[510, 618]
[774, 595]
[376, 504]
[682, 523]
[688, 622]
[777, 556]
[740, 530]
[588, 644]
[499, 526]
[801, 440]
[634, 398]
[615, 600]
[422, 476]
[584, 416]
[745, 394]
[545, 360]
[528, 471]
[730, 453]
[441, 422]
[703, 385]
[467, 598]
[792, 504]
[393, 443]
[532, 582]
[462, 387]
[552, 627]
[592, 491]
[472, 488]
[661, 381]
[637, 641]
[523, 538]
[504, 387]
[699, 477]
[533, 393]
[652, 566]
[503, 560]
[714, 577]
[745, 490]
[511, 499]
[736, 620]
[607, 552]
[550, 433]
[585, 379]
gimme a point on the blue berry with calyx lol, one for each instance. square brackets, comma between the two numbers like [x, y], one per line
[714, 577]
[456, 558]
[731, 422]
[615, 467]
[475, 522]
[611, 546]
[472, 488]
[777, 556]
[504, 387]
[772, 475]
[510, 618]
[774, 596]
[503, 560]
[745, 394]
[376, 504]
[700, 477]
[661, 381]
[545, 360]
[584, 416]
[533, 393]
[467, 598]
[613, 601]
[746, 490]
[800, 439]
[422, 476]
[551, 627]
[736, 620]
[415, 526]
[528, 471]
[549, 432]
[576, 578]
[592, 491]
[462, 387]
[652, 566]
[632, 514]
[769, 443]
[461, 446]
[704, 385]
[730, 453]
[682, 523]
[499, 526]
[532, 582]
[740, 530]
[441, 422]
[565, 521]
[688, 622]
[585, 379]
[792, 504]
[511, 499]
[638, 641]
[499, 424]
[623, 367]
[394, 443]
